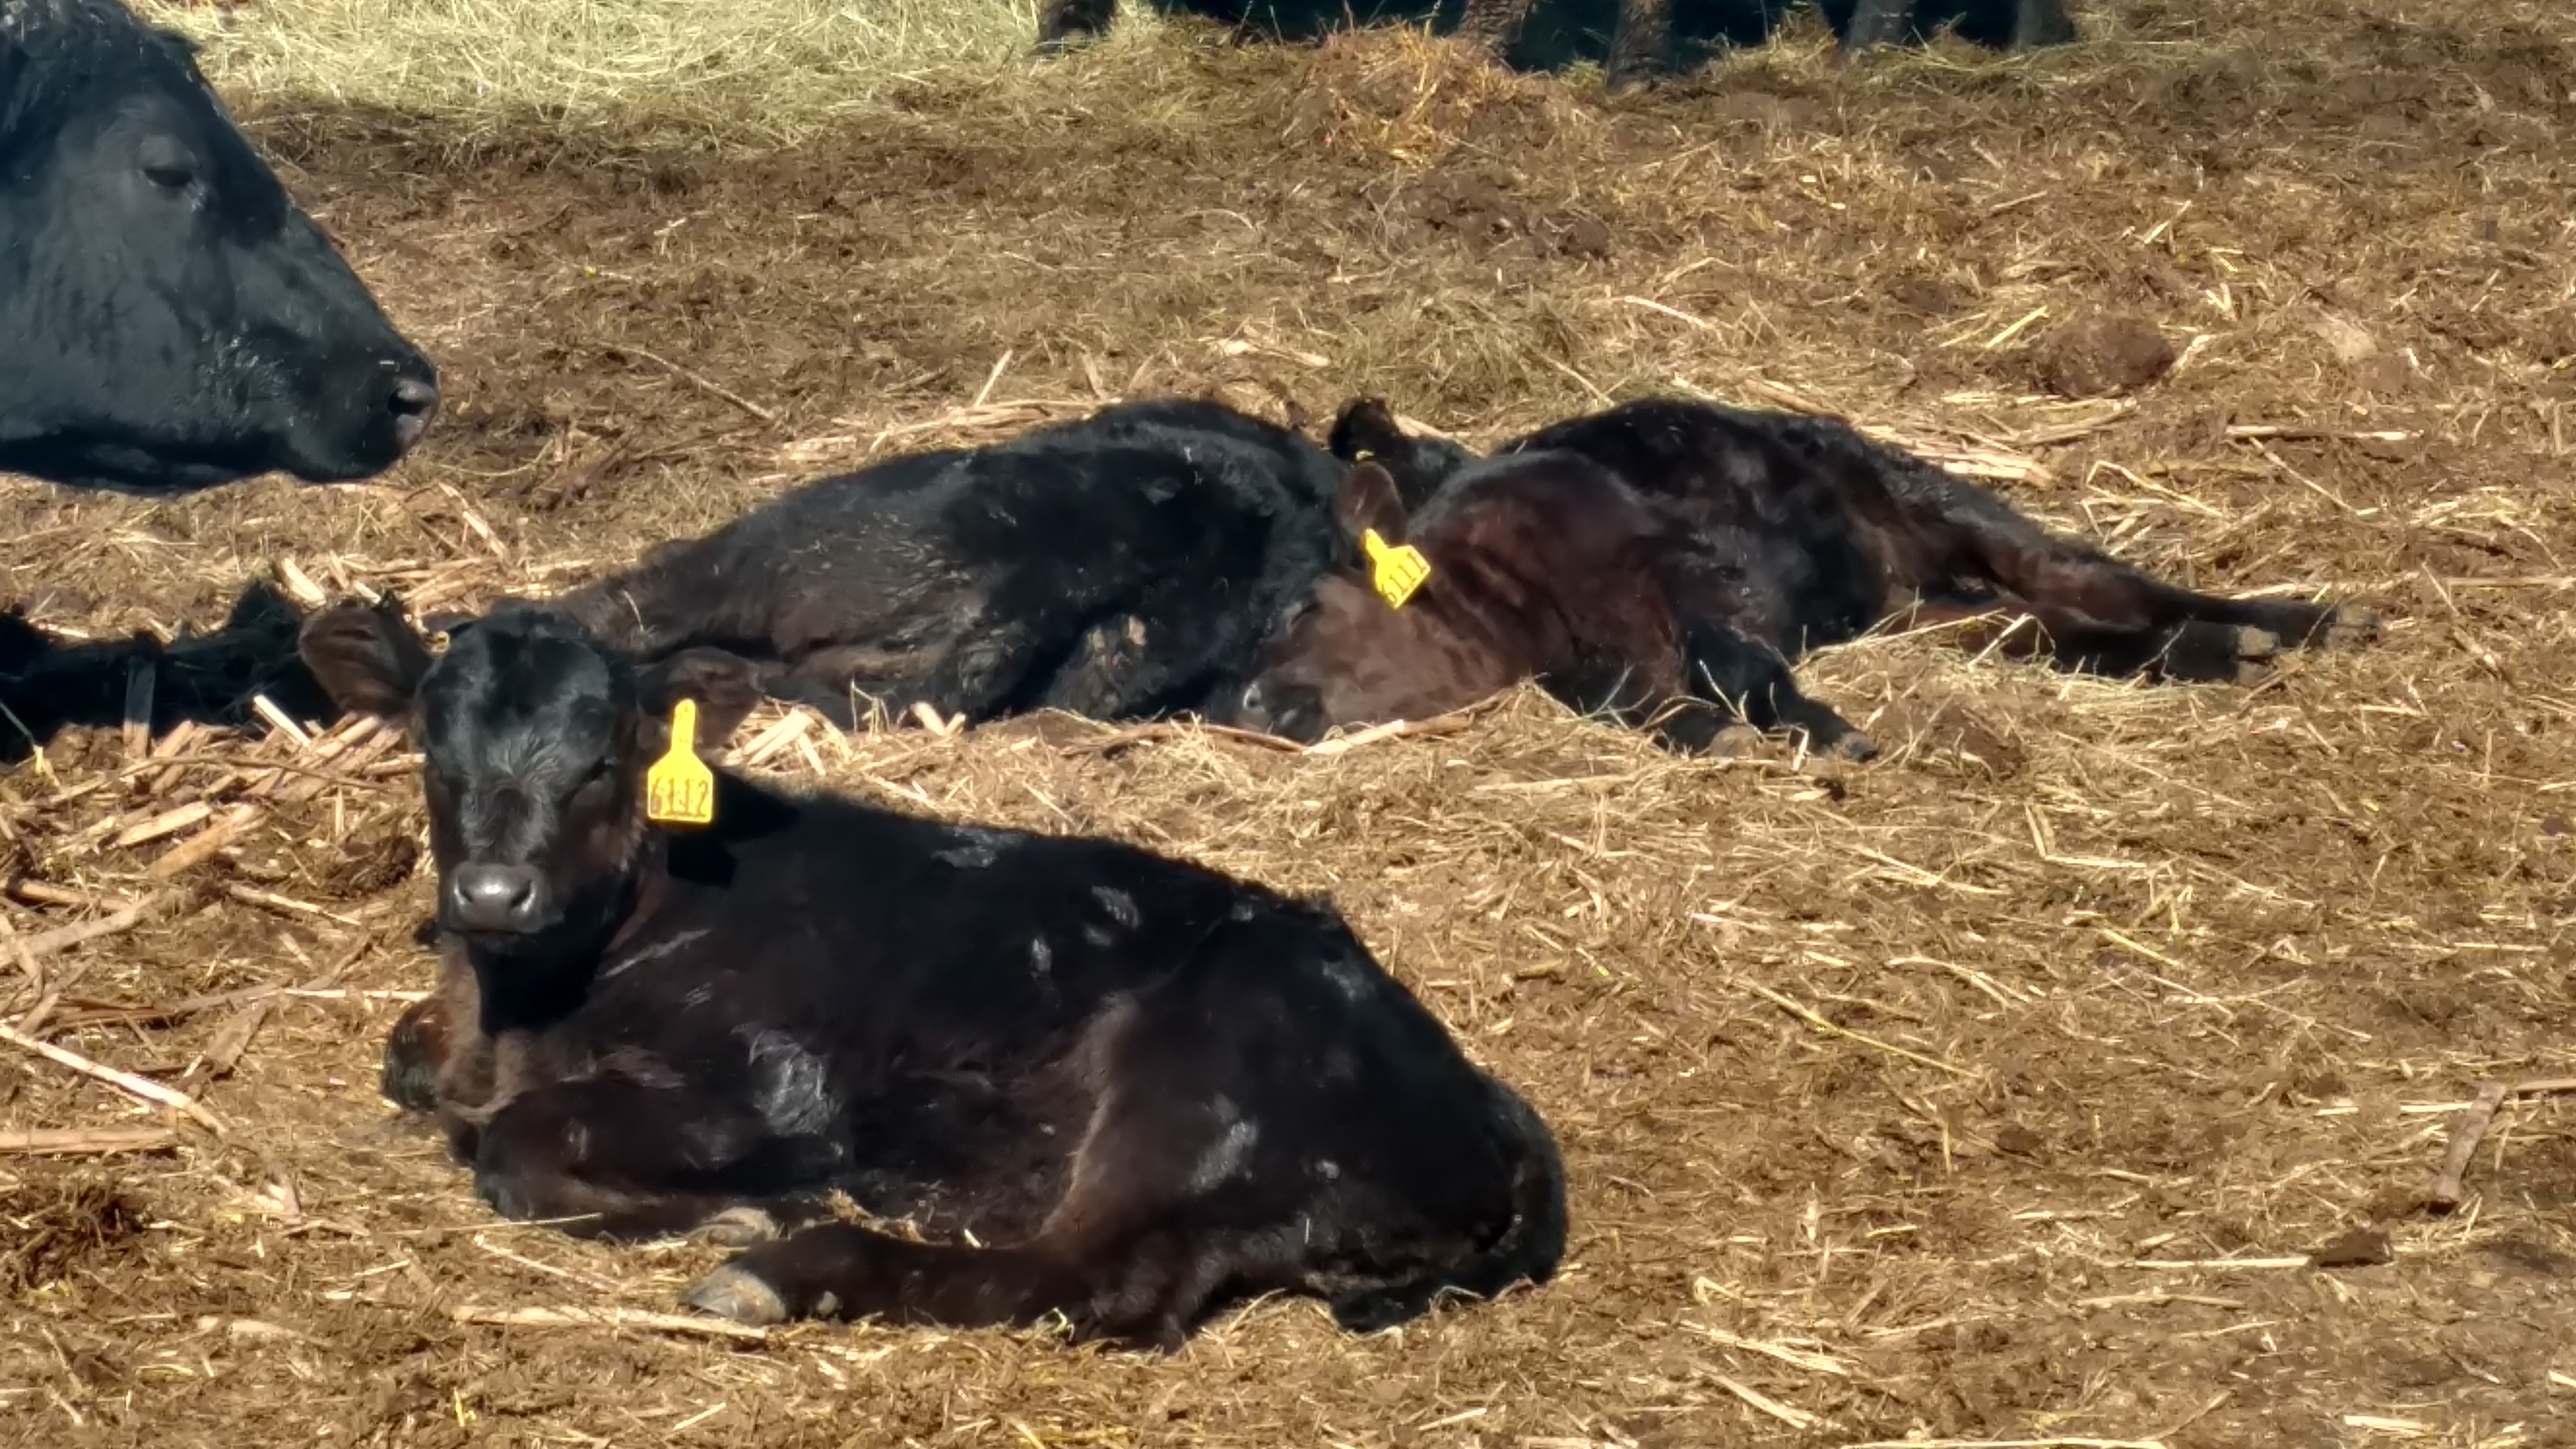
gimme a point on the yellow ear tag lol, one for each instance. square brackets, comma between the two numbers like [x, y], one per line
[680, 789]
[1396, 571]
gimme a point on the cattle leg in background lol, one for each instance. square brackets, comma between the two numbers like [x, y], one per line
[1641, 45]
[2042, 22]
[170, 320]
[1875, 23]
[1641, 41]
[1066, 23]
[1995, 24]
[2008, 24]
[1496, 25]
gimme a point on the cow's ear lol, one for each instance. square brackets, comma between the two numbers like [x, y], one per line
[1366, 428]
[725, 686]
[367, 658]
[1368, 502]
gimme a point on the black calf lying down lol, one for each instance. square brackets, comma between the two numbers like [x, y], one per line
[1153, 1088]
[1119, 567]
[1664, 556]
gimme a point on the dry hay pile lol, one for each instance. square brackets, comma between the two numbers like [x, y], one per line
[2074, 1073]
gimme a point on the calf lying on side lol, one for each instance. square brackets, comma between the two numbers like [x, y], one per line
[1120, 566]
[1665, 554]
[1155, 1088]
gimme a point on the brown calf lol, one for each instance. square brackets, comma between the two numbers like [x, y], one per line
[1664, 555]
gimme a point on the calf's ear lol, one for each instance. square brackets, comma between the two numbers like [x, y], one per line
[1366, 426]
[725, 686]
[368, 659]
[1368, 500]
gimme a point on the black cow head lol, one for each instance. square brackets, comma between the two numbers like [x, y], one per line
[535, 740]
[171, 319]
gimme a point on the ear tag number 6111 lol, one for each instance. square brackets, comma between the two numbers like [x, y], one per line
[1395, 570]
[680, 789]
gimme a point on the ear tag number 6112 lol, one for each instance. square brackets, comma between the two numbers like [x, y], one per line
[1395, 570]
[680, 789]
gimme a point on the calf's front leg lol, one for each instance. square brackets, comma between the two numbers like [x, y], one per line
[613, 1158]
[416, 1053]
[1748, 678]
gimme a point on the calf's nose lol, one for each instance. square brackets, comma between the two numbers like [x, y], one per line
[1290, 711]
[414, 401]
[494, 898]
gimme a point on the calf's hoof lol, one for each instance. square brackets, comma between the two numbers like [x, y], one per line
[735, 1292]
[2202, 652]
[1853, 746]
[1735, 739]
[1630, 79]
[2255, 651]
[1057, 39]
[2348, 627]
[737, 1227]
[401, 1129]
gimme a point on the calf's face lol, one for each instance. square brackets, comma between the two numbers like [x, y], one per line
[174, 321]
[1343, 655]
[535, 741]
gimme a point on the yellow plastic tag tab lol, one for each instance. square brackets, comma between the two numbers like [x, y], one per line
[1396, 570]
[680, 789]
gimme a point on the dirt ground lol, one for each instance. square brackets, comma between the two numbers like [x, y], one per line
[2008, 1088]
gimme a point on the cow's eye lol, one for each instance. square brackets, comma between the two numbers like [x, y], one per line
[166, 163]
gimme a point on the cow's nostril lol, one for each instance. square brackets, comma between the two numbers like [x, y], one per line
[414, 403]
